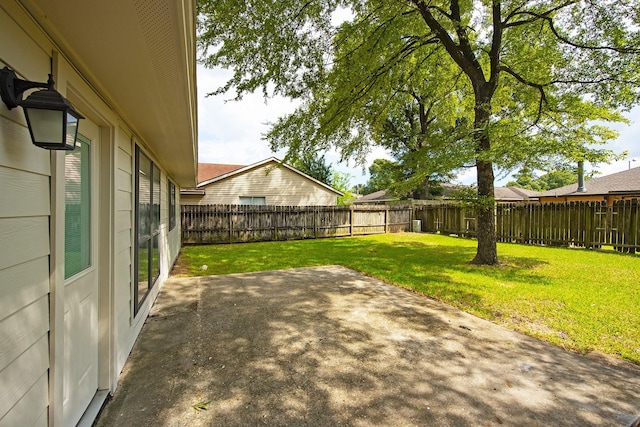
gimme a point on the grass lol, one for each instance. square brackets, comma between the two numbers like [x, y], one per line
[581, 300]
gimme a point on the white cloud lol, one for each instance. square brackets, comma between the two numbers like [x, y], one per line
[231, 131]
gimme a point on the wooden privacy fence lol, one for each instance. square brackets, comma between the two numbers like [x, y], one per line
[247, 223]
[446, 218]
[582, 224]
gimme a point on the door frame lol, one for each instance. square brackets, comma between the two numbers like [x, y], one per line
[104, 154]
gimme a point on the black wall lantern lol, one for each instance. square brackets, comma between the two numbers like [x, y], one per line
[52, 120]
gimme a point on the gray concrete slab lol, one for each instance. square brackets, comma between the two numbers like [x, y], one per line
[329, 346]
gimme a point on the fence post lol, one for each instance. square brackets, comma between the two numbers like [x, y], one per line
[230, 213]
[386, 221]
[588, 228]
[633, 229]
[315, 223]
[274, 220]
[351, 220]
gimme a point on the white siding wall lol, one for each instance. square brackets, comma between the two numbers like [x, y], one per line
[279, 186]
[26, 323]
[175, 235]
[124, 245]
[171, 240]
[127, 327]
[24, 244]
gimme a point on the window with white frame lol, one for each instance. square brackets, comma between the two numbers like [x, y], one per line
[147, 251]
[252, 200]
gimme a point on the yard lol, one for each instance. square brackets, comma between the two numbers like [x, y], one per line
[581, 300]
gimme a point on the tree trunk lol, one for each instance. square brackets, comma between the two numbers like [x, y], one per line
[487, 252]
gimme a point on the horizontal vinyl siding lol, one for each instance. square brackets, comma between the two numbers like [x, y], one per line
[31, 410]
[23, 239]
[22, 192]
[170, 239]
[24, 276]
[24, 235]
[127, 328]
[175, 236]
[279, 186]
[19, 331]
[18, 153]
[123, 246]
[21, 376]
[22, 284]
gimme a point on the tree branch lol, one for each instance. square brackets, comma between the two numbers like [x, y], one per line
[594, 82]
[367, 83]
[546, 14]
[539, 87]
[496, 44]
[463, 38]
[464, 58]
[549, 20]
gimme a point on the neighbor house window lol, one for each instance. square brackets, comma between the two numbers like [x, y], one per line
[147, 256]
[172, 205]
[77, 209]
[252, 201]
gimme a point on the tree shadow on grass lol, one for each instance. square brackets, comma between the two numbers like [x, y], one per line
[425, 262]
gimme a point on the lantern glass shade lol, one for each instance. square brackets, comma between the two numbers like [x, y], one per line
[52, 120]
[45, 125]
[71, 134]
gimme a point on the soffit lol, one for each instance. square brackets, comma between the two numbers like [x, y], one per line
[140, 56]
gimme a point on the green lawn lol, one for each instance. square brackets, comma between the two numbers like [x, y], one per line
[581, 300]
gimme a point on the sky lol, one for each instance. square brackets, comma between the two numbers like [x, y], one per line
[230, 132]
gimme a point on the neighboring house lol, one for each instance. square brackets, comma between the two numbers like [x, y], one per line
[515, 194]
[375, 198]
[269, 182]
[87, 237]
[608, 188]
[502, 195]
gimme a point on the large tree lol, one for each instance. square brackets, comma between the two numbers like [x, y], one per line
[516, 82]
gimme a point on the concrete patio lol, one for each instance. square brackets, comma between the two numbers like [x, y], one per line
[328, 346]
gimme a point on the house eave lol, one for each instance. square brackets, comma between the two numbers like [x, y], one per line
[140, 58]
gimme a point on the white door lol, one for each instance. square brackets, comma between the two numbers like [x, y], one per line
[81, 276]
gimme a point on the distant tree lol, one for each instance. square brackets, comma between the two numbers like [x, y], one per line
[316, 167]
[550, 180]
[558, 178]
[525, 178]
[405, 178]
[342, 182]
[382, 174]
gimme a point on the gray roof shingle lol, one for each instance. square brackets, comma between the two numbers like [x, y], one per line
[619, 182]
